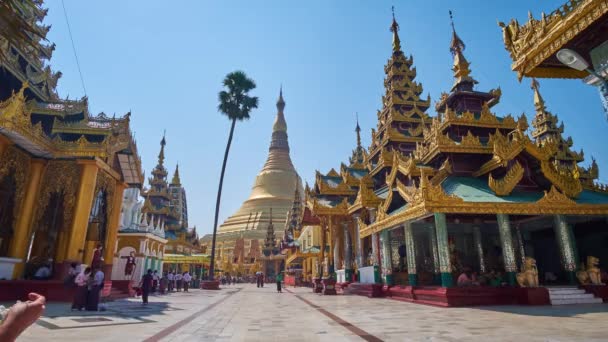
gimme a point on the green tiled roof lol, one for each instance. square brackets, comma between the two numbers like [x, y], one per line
[382, 192]
[590, 197]
[398, 210]
[332, 181]
[477, 190]
[357, 172]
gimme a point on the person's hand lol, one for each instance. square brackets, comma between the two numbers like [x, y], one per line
[22, 315]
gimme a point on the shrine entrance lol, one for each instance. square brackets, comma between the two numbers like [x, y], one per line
[8, 194]
[43, 247]
[97, 229]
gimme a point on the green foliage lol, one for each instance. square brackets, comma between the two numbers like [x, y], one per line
[235, 101]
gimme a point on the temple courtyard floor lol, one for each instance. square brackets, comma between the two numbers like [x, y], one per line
[248, 313]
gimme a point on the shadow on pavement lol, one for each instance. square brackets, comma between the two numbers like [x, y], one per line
[548, 310]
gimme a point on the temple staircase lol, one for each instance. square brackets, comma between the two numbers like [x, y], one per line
[571, 295]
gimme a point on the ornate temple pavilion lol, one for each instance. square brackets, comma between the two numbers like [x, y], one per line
[241, 236]
[165, 207]
[62, 170]
[436, 195]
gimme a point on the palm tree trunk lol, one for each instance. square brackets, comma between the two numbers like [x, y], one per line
[217, 202]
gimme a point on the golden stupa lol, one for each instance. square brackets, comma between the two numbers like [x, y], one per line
[274, 188]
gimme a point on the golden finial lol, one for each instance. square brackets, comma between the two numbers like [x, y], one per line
[176, 179]
[161, 155]
[539, 102]
[394, 29]
[358, 130]
[457, 45]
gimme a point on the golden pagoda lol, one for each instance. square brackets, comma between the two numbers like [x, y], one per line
[272, 192]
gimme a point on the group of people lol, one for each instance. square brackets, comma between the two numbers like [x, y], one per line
[88, 284]
[229, 280]
[469, 278]
[152, 282]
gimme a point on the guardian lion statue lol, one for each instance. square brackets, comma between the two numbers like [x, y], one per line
[529, 276]
[591, 274]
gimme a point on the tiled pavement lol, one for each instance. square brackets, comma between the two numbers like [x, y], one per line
[246, 313]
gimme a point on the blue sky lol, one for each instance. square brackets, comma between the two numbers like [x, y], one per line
[165, 61]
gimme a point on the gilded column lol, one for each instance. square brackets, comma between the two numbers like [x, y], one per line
[443, 249]
[357, 243]
[435, 254]
[348, 252]
[113, 226]
[330, 259]
[567, 246]
[20, 240]
[520, 245]
[410, 250]
[385, 257]
[479, 248]
[82, 210]
[508, 252]
[323, 243]
[375, 252]
[336, 250]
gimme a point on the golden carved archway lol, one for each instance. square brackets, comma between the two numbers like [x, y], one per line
[18, 162]
[58, 177]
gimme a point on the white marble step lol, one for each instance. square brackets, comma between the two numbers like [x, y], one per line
[565, 291]
[571, 295]
[592, 300]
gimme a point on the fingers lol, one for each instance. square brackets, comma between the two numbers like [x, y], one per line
[36, 298]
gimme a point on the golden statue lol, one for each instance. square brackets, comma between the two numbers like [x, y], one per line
[529, 276]
[591, 274]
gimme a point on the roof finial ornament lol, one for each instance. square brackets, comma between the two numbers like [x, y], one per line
[452, 20]
[457, 45]
[161, 155]
[539, 102]
[358, 130]
[394, 29]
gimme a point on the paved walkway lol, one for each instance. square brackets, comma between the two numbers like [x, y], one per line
[247, 313]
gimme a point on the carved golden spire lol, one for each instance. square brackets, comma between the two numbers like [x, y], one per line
[463, 80]
[358, 157]
[176, 180]
[358, 130]
[161, 154]
[539, 102]
[395, 29]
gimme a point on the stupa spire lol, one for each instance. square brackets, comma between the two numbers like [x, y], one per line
[278, 156]
[462, 78]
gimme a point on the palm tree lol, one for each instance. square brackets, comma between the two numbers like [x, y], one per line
[236, 104]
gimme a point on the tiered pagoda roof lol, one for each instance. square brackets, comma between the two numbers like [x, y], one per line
[402, 118]
[334, 193]
[469, 160]
[157, 208]
[39, 121]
